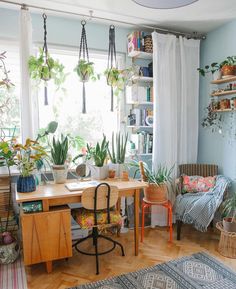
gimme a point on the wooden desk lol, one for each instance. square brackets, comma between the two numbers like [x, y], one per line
[35, 225]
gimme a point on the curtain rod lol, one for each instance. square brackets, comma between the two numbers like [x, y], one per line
[193, 35]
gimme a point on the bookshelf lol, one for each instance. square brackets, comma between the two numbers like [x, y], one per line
[139, 97]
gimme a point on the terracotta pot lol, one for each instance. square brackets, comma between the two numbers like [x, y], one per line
[125, 176]
[228, 70]
[229, 225]
[156, 194]
[224, 104]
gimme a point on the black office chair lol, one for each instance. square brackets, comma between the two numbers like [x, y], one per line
[98, 213]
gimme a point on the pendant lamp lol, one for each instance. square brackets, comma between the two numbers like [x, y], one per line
[164, 4]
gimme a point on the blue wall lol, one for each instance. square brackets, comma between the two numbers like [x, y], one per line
[62, 31]
[218, 148]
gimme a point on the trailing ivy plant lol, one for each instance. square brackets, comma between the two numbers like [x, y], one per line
[85, 70]
[53, 70]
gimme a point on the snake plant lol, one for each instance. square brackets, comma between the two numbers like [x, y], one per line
[99, 152]
[59, 150]
[118, 150]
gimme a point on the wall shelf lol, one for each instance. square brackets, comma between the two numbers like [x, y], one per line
[142, 78]
[140, 54]
[139, 126]
[224, 80]
[227, 92]
[225, 110]
[140, 103]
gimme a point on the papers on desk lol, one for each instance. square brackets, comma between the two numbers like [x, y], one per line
[77, 186]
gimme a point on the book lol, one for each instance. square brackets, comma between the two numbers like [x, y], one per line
[78, 186]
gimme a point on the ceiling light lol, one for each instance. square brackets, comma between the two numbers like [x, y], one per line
[164, 4]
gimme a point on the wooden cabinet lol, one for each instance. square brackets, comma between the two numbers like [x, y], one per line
[46, 235]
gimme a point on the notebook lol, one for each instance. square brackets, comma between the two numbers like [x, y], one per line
[77, 186]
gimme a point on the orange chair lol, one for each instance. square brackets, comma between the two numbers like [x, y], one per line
[148, 201]
[168, 205]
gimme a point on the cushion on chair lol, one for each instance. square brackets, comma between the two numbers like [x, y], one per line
[85, 218]
[193, 184]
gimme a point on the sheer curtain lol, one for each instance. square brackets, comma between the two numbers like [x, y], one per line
[176, 90]
[25, 52]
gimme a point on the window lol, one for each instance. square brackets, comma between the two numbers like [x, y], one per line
[10, 121]
[66, 108]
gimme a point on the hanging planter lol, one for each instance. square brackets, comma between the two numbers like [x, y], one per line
[84, 68]
[44, 68]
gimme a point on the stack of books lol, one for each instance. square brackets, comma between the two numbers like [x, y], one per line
[136, 41]
[139, 94]
[138, 116]
[143, 142]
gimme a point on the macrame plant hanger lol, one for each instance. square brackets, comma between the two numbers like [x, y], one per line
[45, 57]
[83, 54]
[111, 63]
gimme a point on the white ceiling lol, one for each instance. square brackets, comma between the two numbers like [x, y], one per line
[201, 16]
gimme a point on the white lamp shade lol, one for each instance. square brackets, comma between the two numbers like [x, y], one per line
[164, 4]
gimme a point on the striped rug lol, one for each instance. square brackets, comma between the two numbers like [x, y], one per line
[12, 276]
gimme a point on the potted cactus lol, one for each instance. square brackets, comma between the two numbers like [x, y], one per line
[117, 153]
[98, 154]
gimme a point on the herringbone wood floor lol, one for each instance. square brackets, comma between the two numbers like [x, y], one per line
[80, 269]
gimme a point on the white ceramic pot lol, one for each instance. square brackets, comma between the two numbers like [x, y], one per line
[99, 173]
[217, 75]
[60, 173]
[118, 168]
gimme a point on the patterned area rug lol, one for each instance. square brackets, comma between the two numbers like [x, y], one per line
[198, 271]
[12, 276]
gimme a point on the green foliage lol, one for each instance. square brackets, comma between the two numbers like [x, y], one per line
[118, 150]
[85, 70]
[51, 128]
[7, 154]
[4, 78]
[59, 150]
[209, 68]
[41, 71]
[213, 67]
[158, 177]
[229, 206]
[99, 152]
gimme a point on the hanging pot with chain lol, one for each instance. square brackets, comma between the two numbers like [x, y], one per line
[111, 63]
[84, 68]
[46, 71]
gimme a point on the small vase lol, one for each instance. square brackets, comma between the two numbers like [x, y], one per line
[26, 184]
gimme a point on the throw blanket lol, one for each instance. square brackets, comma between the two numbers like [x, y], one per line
[199, 208]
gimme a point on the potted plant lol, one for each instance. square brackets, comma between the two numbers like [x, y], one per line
[99, 154]
[157, 190]
[9, 247]
[213, 68]
[117, 153]
[59, 154]
[26, 158]
[85, 70]
[229, 208]
[41, 69]
[228, 67]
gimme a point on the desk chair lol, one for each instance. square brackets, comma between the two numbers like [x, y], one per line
[98, 214]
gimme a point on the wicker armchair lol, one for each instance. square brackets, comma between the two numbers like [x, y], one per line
[204, 170]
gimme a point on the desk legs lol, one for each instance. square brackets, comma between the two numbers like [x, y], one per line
[136, 221]
[48, 266]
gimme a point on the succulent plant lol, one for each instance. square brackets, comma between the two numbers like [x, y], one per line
[118, 150]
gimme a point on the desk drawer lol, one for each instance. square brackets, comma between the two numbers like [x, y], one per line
[46, 235]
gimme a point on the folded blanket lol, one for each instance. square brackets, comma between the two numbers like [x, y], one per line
[199, 208]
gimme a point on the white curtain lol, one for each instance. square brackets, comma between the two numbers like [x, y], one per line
[176, 91]
[25, 52]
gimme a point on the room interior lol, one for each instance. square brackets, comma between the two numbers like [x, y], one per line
[117, 144]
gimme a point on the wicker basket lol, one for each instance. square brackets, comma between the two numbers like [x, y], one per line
[227, 245]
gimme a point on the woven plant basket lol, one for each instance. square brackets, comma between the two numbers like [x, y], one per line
[156, 194]
[227, 245]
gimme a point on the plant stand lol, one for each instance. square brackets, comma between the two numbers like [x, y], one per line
[227, 245]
